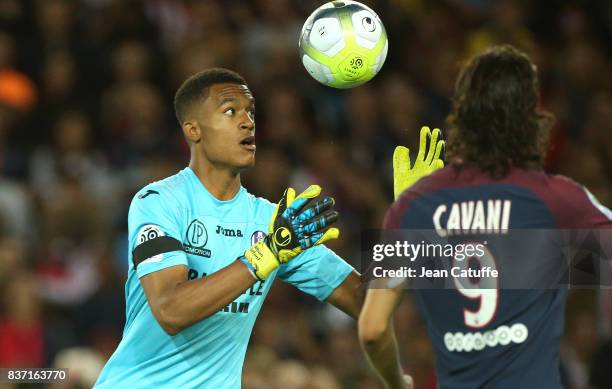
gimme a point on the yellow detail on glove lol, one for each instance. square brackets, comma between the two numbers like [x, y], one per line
[262, 259]
[405, 176]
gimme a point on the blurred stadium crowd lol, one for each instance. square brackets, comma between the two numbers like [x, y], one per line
[86, 119]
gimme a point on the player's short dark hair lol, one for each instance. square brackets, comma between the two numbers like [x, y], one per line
[196, 88]
[495, 122]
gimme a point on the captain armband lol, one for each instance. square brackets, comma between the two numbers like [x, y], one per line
[151, 242]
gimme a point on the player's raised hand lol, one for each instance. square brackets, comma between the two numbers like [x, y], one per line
[296, 225]
[308, 222]
[427, 161]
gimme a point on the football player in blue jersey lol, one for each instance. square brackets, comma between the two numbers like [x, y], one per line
[486, 338]
[203, 252]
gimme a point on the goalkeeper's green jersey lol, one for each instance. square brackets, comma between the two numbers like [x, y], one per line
[212, 234]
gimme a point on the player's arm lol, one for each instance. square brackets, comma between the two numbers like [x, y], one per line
[177, 303]
[427, 161]
[349, 295]
[377, 336]
[375, 326]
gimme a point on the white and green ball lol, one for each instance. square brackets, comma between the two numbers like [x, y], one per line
[343, 44]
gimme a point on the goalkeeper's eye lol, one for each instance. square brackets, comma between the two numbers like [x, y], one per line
[229, 112]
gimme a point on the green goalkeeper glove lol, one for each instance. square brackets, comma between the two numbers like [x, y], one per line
[405, 176]
[296, 225]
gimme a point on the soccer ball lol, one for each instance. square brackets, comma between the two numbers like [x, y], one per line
[343, 44]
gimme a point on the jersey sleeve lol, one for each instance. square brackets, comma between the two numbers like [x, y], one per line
[154, 233]
[395, 213]
[317, 271]
[576, 207]
[392, 217]
[598, 215]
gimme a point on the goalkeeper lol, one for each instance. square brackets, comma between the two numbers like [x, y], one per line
[203, 252]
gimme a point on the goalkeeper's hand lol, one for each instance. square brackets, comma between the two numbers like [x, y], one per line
[295, 226]
[404, 175]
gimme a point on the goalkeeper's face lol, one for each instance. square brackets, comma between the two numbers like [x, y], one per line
[227, 122]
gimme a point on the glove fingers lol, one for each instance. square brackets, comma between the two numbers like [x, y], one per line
[438, 164]
[439, 147]
[287, 199]
[401, 169]
[315, 209]
[304, 198]
[281, 207]
[290, 196]
[432, 146]
[332, 233]
[425, 133]
[320, 223]
[292, 212]
[319, 238]
[401, 160]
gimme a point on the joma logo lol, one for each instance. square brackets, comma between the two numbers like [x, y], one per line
[228, 232]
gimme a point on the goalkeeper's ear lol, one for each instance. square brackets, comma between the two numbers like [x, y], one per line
[192, 131]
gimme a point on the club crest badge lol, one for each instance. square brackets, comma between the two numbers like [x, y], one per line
[257, 236]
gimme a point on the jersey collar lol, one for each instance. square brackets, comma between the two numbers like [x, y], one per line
[201, 188]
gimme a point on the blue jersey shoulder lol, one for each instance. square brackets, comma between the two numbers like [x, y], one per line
[170, 191]
[262, 206]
